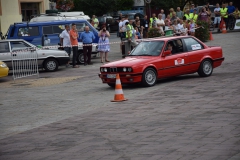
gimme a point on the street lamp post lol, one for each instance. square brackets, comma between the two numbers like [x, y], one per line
[149, 1]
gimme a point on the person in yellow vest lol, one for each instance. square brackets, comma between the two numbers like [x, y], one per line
[95, 21]
[236, 13]
[224, 14]
[194, 16]
[187, 14]
[153, 20]
[130, 33]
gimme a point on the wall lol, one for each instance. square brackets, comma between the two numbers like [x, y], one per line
[10, 11]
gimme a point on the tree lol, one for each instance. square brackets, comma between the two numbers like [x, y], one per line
[100, 7]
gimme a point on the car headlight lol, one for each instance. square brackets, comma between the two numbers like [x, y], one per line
[3, 65]
[101, 70]
[105, 69]
[129, 69]
[124, 69]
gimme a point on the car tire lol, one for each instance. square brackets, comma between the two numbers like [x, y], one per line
[111, 85]
[51, 65]
[205, 68]
[149, 77]
[80, 58]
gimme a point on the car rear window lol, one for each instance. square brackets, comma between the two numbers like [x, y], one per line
[28, 31]
[4, 47]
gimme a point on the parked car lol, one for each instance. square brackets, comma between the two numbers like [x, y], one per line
[132, 16]
[47, 59]
[151, 60]
[47, 33]
[110, 23]
[3, 69]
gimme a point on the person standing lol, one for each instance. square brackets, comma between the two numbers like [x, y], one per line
[87, 38]
[103, 43]
[203, 15]
[192, 8]
[130, 34]
[163, 14]
[194, 15]
[179, 13]
[231, 10]
[153, 19]
[65, 42]
[224, 14]
[74, 42]
[145, 26]
[160, 23]
[95, 22]
[187, 14]
[217, 18]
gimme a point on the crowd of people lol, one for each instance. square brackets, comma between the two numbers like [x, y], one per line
[180, 22]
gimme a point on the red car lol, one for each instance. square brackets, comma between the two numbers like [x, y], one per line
[154, 59]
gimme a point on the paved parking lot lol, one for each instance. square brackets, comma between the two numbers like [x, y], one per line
[186, 117]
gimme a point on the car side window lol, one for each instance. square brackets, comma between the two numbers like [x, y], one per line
[192, 44]
[176, 46]
[47, 30]
[16, 45]
[4, 47]
[81, 26]
[58, 29]
[28, 31]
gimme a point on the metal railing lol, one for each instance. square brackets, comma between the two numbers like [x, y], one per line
[25, 63]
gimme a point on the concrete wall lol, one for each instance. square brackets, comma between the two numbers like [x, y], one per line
[10, 11]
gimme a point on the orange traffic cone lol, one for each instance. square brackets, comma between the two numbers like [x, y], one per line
[224, 28]
[210, 37]
[119, 97]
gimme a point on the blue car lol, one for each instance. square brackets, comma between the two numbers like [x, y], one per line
[47, 33]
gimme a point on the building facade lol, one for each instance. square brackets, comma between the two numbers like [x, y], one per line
[14, 11]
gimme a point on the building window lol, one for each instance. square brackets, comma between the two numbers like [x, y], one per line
[29, 10]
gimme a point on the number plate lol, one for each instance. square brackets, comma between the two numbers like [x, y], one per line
[111, 75]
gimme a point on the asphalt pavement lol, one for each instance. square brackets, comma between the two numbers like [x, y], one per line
[68, 114]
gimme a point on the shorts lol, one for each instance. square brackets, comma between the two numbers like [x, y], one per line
[217, 20]
[68, 50]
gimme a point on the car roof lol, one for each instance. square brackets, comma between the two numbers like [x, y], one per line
[167, 38]
[49, 22]
[11, 40]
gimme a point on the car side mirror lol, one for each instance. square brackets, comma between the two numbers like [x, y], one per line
[166, 53]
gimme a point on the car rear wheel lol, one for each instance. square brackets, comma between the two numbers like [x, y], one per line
[149, 77]
[51, 65]
[80, 58]
[205, 68]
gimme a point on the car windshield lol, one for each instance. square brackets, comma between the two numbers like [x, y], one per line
[148, 48]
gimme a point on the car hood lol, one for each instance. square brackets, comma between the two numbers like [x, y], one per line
[130, 61]
[52, 52]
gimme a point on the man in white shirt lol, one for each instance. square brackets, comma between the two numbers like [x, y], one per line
[217, 13]
[65, 41]
[160, 23]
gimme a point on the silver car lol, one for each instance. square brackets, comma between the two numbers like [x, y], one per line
[47, 59]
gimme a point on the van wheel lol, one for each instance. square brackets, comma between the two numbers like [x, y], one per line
[51, 65]
[80, 58]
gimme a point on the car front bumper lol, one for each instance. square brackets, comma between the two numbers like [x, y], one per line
[63, 60]
[125, 78]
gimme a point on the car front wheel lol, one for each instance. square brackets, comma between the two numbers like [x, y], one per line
[111, 85]
[205, 68]
[51, 65]
[149, 77]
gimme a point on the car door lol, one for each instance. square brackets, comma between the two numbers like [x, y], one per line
[5, 54]
[21, 50]
[195, 53]
[175, 64]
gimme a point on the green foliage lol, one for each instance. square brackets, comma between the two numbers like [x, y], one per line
[203, 32]
[100, 7]
[154, 32]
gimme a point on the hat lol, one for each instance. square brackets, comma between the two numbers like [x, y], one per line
[192, 4]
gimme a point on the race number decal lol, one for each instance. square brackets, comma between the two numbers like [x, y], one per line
[196, 46]
[179, 61]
